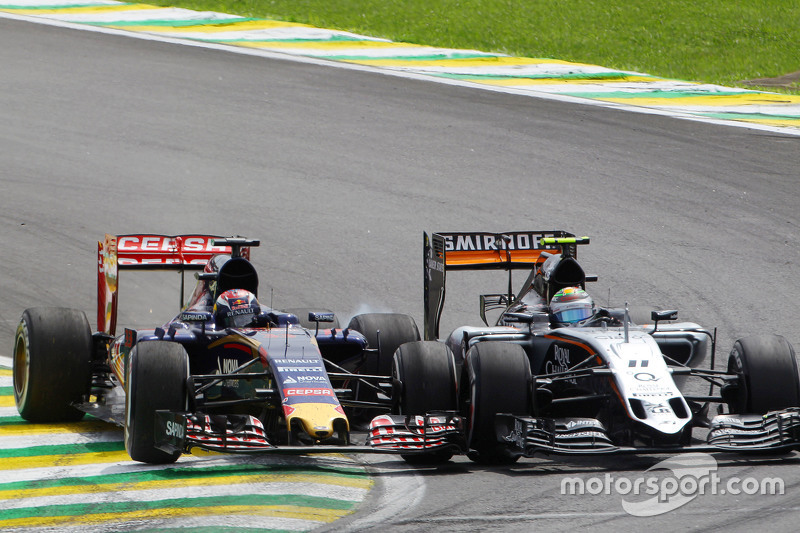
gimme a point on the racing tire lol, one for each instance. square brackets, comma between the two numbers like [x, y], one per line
[424, 380]
[302, 317]
[768, 375]
[498, 377]
[156, 378]
[395, 330]
[52, 364]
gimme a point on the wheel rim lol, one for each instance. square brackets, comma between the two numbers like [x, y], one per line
[21, 368]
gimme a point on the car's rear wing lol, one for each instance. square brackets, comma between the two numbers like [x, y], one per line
[512, 250]
[147, 252]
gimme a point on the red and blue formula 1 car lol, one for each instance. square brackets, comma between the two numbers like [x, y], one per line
[227, 373]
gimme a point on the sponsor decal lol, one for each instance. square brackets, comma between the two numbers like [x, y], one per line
[241, 311]
[518, 434]
[483, 242]
[300, 369]
[228, 366]
[151, 243]
[433, 263]
[194, 317]
[165, 250]
[588, 434]
[174, 429]
[572, 424]
[559, 363]
[311, 379]
[645, 376]
[159, 243]
[322, 317]
[305, 379]
[295, 361]
[299, 391]
[130, 338]
[657, 408]
[728, 420]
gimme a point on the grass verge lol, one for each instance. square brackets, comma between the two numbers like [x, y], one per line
[713, 41]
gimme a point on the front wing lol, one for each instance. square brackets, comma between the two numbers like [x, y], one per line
[393, 434]
[776, 431]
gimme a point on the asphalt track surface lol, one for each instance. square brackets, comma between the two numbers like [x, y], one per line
[339, 173]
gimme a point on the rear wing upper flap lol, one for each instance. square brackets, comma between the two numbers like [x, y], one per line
[148, 252]
[510, 250]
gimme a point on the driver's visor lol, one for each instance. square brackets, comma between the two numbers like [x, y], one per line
[573, 315]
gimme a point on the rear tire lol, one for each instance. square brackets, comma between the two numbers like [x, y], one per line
[156, 379]
[302, 317]
[498, 374]
[424, 380]
[52, 364]
[395, 329]
[768, 376]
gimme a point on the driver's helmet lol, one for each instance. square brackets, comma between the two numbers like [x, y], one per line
[236, 308]
[570, 305]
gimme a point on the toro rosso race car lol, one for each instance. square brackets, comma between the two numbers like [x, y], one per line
[555, 374]
[227, 373]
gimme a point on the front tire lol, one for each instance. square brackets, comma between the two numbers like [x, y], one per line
[498, 374]
[768, 375]
[424, 380]
[156, 379]
[52, 364]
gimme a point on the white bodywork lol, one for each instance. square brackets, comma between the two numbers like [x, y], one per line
[639, 371]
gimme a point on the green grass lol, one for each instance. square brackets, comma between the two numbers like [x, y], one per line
[715, 41]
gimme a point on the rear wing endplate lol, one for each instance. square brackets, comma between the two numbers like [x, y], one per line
[512, 250]
[147, 252]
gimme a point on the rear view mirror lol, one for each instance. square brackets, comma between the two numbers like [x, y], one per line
[657, 316]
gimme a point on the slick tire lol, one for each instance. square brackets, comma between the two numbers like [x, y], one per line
[768, 375]
[156, 378]
[497, 378]
[52, 364]
[386, 332]
[302, 317]
[424, 380]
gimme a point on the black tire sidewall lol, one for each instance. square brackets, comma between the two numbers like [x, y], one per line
[769, 378]
[156, 379]
[424, 373]
[57, 347]
[498, 377]
[395, 329]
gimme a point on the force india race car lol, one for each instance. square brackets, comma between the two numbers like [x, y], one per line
[528, 385]
[226, 374]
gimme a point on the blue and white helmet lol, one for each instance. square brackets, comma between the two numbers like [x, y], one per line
[570, 305]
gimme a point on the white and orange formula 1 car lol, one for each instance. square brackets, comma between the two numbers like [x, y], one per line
[556, 374]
